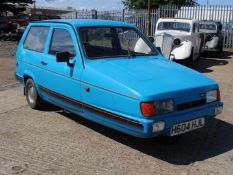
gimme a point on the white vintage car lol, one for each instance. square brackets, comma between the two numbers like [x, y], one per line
[178, 39]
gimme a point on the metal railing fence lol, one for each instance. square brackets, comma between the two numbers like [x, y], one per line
[224, 14]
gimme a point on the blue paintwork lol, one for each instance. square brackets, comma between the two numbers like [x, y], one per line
[117, 85]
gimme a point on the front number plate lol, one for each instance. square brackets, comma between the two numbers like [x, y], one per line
[187, 126]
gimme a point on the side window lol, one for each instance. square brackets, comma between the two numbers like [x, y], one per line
[61, 42]
[36, 39]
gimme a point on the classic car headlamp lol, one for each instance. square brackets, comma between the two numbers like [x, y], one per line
[149, 109]
[208, 37]
[212, 96]
[177, 42]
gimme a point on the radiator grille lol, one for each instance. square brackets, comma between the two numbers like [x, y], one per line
[191, 104]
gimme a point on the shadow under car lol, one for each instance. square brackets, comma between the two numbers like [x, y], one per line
[188, 148]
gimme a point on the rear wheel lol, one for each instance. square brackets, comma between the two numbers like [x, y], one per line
[32, 96]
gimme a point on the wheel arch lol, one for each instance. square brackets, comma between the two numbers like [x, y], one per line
[27, 74]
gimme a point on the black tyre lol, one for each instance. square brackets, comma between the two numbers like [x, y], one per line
[220, 50]
[191, 56]
[198, 58]
[32, 96]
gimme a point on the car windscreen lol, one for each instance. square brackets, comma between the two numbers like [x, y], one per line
[206, 27]
[109, 42]
[181, 26]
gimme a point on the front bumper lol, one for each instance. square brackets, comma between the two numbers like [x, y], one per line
[206, 111]
[210, 49]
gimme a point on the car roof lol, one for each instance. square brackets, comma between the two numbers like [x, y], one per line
[209, 21]
[189, 20]
[86, 22]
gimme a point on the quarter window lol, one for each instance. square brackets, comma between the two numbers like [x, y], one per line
[36, 39]
[61, 42]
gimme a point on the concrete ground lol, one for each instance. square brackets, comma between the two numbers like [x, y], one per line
[54, 142]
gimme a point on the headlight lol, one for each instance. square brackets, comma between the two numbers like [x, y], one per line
[164, 106]
[212, 96]
[149, 109]
[208, 37]
[177, 42]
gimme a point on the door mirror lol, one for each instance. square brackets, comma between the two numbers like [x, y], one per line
[63, 56]
[151, 38]
[159, 49]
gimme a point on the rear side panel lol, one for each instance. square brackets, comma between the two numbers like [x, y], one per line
[27, 61]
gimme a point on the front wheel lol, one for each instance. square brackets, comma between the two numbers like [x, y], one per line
[194, 59]
[220, 50]
[32, 96]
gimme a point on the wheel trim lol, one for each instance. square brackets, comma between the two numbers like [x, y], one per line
[31, 94]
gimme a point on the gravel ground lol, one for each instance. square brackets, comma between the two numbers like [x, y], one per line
[51, 141]
[7, 62]
[7, 49]
[7, 67]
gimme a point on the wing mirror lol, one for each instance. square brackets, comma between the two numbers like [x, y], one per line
[64, 57]
[159, 49]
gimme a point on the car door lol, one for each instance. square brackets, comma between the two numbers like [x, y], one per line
[61, 85]
[32, 48]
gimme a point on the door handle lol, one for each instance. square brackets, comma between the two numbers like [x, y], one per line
[43, 63]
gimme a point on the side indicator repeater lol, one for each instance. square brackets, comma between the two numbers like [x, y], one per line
[87, 89]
